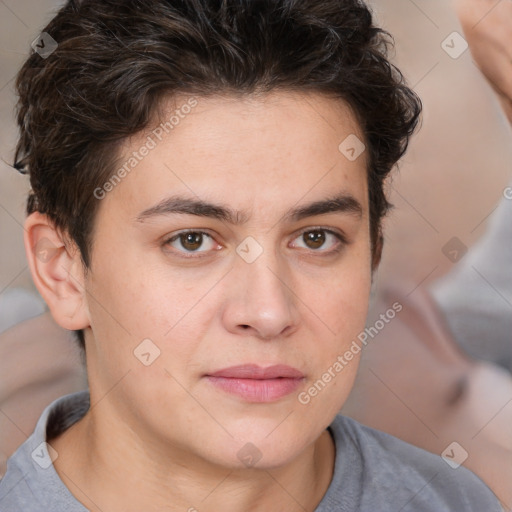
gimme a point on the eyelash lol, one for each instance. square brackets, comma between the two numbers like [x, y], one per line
[198, 254]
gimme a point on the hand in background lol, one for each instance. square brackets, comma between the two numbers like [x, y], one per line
[487, 26]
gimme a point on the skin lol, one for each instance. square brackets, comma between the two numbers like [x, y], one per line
[488, 29]
[295, 304]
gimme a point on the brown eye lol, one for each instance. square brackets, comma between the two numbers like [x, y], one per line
[314, 239]
[320, 240]
[191, 241]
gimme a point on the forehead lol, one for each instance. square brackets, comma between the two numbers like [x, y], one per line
[251, 151]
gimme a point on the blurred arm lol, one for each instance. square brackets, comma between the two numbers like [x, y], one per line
[487, 26]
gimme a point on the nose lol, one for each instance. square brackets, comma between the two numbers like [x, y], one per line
[261, 301]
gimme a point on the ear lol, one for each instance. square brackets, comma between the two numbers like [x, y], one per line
[57, 271]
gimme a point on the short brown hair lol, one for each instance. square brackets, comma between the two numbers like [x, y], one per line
[116, 60]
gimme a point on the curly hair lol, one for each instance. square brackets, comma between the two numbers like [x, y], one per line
[117, 60]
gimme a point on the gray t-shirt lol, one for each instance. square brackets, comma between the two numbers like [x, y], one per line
[476, 296]
[374, 472]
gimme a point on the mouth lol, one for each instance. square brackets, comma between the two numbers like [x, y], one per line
[253, 383]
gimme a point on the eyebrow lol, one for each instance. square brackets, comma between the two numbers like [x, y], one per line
[342, 203]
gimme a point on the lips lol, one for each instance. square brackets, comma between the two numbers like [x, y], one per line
[253, 383]
[253, 371]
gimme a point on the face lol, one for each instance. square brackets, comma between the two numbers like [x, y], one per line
[230, 269]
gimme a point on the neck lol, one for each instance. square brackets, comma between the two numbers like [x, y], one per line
[113, 469]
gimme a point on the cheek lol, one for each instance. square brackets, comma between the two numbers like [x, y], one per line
[341, 297]
[136, 297]
[340, 307]
[170, 309]
[343, 307]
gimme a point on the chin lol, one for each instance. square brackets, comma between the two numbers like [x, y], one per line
[269, 448]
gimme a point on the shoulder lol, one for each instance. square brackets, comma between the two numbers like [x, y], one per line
[39, 362]
[384, 471]
[15, 492]
[31, 482]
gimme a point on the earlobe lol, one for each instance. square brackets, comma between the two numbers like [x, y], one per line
[57, 271]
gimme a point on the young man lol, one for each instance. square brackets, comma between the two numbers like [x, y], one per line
[206, 205]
